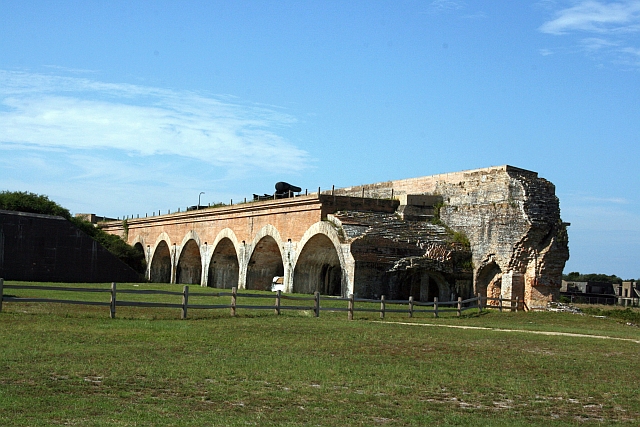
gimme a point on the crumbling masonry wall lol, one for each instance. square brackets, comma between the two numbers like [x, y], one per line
[512, 219]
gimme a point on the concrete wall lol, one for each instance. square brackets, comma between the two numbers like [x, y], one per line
[47, 248]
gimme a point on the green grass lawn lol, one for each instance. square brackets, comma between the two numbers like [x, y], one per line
[73, 365]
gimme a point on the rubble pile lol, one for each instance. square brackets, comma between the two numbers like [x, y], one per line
[561, 307]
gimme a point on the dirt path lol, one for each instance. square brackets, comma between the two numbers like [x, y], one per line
[563, 334]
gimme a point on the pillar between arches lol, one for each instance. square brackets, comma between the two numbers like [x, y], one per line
[348, 271]
[243, 255]
[204, 261]
[289, 256]
[512, 285]
[174, 263]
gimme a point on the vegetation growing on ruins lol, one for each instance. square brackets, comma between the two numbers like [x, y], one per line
[461, 237]
[113, 244]
[146, 367]
[23, 201]
[435, 220]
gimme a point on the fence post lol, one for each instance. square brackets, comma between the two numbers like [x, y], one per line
[410, 306]
[459, 306]
[517, 303]
[479, 302]
[234, 294]
[500, 303]
[1, 292]
[350, 309]
[112, 305]
[185, 302]
[382, 306]
[435, 306]
[316, 303]
[278, 294]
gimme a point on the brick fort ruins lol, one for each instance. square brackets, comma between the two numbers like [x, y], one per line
[494, 231]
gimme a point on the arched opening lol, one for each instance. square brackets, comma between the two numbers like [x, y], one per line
[433, 291]
[224, 268]
[139, 261]
[160, 271]
[189, 269]
[404, 283]
[264, 265]
[138, 247]
[489, 282]
[421, 284]
[318, 268]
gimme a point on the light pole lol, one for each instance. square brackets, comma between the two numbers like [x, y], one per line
[201, 193]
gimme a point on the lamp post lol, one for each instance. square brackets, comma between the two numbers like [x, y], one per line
[201, 193]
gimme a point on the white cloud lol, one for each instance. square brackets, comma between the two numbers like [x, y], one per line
[632, 50]
[605, 31]
[438, 6]
[597, 43]
[79, 113]
[596, 16]
[595, 212]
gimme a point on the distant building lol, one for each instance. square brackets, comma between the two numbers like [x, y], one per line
[598, 288]
[93, 218]
[630, 289]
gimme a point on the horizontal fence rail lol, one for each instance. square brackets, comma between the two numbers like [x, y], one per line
[409, 307]
[603, 299]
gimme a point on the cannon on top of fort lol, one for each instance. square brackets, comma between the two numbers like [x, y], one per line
[284, 190]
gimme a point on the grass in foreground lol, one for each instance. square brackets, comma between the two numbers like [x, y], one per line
[69, 365]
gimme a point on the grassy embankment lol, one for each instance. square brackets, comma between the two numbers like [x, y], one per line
[62, 364]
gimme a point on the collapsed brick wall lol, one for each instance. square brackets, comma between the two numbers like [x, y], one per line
[399, 258]
[511, 218]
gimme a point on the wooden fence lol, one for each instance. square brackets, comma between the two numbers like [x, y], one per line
[604, 299]
[410, 306]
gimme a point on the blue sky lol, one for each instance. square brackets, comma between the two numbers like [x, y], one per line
[122, 108]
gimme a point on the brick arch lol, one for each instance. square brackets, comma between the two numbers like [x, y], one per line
[160, 263]
[319, 265]
[138, 244]
[163, 236]
[224, 264]
[191, 235]
[227, 233]
[437, 287]
[138, 239]
[265, 259]
[489, 281]
[189, 265]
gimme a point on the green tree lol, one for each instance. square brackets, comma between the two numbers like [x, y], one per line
[24, 201]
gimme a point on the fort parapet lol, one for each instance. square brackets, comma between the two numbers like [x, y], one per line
[494, 231]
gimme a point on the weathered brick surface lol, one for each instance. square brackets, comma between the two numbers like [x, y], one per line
[512, 220]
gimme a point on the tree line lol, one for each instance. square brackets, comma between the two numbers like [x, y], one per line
[575, 276]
